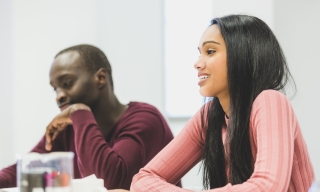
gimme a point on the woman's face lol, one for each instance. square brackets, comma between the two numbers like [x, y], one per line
[212, 64]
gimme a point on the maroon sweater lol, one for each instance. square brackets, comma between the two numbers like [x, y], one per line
[135, 139]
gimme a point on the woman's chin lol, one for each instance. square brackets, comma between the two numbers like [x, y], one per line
[205, 93]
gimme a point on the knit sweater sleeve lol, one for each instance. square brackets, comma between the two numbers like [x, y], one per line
[174, 161]
[273, 127]
[137, 138]
[8, 177]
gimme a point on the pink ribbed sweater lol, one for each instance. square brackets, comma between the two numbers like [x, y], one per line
[281, 157]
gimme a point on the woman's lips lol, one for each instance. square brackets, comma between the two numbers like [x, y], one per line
[202, 78]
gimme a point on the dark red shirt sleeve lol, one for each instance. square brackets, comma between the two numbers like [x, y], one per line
[137, 141]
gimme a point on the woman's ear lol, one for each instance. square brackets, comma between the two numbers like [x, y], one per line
[101, 77]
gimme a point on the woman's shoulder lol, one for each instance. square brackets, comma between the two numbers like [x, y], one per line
[271, 92]
[272, 104]
[271, 107]
[270, 95]
[271, 101]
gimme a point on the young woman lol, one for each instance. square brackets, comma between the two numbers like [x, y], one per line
[248, 137]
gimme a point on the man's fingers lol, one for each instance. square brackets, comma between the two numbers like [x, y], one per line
[59, 126]
[69, 121]
[55, 134]
[48, 147]
[48, 143]
[61, 123]
[54, 128]
[48, 138]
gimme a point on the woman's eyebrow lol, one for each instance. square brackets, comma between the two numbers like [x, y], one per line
[209, 42]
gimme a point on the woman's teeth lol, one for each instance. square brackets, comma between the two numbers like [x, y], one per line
[203, 77]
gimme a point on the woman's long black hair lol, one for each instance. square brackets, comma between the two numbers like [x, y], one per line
[255, 62]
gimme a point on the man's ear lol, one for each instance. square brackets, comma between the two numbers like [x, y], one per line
[101, 77]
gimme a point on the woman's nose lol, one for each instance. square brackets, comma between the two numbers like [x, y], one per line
[199, 65]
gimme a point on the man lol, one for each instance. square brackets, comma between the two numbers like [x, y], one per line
[109, 139]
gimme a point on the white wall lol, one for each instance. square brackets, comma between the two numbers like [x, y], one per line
[297, 27]
[131, 34]
[6, 134]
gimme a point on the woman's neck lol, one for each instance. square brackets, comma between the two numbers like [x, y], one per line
[225, 104]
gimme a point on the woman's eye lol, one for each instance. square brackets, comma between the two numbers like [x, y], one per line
[210, 51]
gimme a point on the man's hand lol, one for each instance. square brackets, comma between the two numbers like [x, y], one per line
[60, 122]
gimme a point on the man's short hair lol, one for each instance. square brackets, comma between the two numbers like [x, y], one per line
[93, 58]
